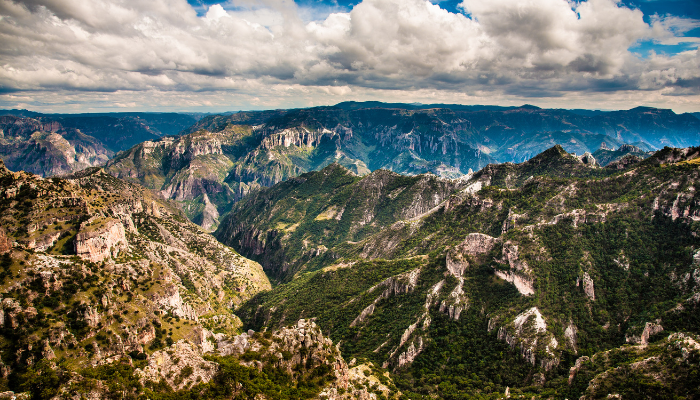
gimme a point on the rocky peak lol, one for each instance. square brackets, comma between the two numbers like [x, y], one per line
[628, 148]
[553, 153]
[529, 332]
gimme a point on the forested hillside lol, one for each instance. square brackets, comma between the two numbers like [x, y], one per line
[538, 277]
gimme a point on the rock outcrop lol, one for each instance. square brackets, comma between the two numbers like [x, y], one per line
[650, 329]
[475, 244]
[301, 349]
[100, 239]
[528, 331]
[393, 286]
[180, 365]
[588, 286]
[5, 242]
[519, 273]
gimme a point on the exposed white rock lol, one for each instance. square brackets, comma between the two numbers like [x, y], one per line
[650, 329]
[92, 317]
[210, 215]
[180, 365]
[539, 324]
[171, 300]
[407, 333]
[571, 335]
[369, 310]
[519, 273]
[524, 285]
[98, 244]
[528, 331]
[411, 353]
[432, 294]
[400, 284]
[588, 286]
[475, 186]
[456, 302]
[475, 244]
[577, 366]
[44, 242]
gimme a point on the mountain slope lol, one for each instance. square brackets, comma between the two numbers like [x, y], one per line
[47, 148]
[108, 291]
[519, 274]
[258, 149]
[297, 221]
[61, 144]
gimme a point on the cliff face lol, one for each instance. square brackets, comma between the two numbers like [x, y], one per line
[191, 169]
[99, 243]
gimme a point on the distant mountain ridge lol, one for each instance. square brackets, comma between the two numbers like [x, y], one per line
[45, 147]
[254, 149]
[118, 130]
[220, 158]
[55, 144]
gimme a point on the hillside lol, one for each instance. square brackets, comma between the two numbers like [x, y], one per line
[47, 148]
[57, 144]
[224, 157]
[108, 290]
[553, 278]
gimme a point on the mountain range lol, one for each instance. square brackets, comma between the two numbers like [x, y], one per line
[222, 158]
[57, 144]
[392, 251]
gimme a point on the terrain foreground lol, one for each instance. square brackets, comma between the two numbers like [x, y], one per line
[553, 278]
[109, 292]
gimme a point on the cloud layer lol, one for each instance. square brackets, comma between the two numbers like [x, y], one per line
[503, 48]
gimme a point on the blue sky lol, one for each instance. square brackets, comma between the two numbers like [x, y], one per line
[205, 55]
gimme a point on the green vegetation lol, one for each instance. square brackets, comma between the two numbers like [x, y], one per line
[606, 251]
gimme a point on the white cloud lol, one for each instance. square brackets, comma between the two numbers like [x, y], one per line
[506, 48]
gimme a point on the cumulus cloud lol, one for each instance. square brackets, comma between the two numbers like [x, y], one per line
[525, 48]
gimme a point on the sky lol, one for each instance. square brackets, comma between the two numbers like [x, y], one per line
[215, 56]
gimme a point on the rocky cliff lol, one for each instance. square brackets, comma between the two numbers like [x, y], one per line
[97, 243]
